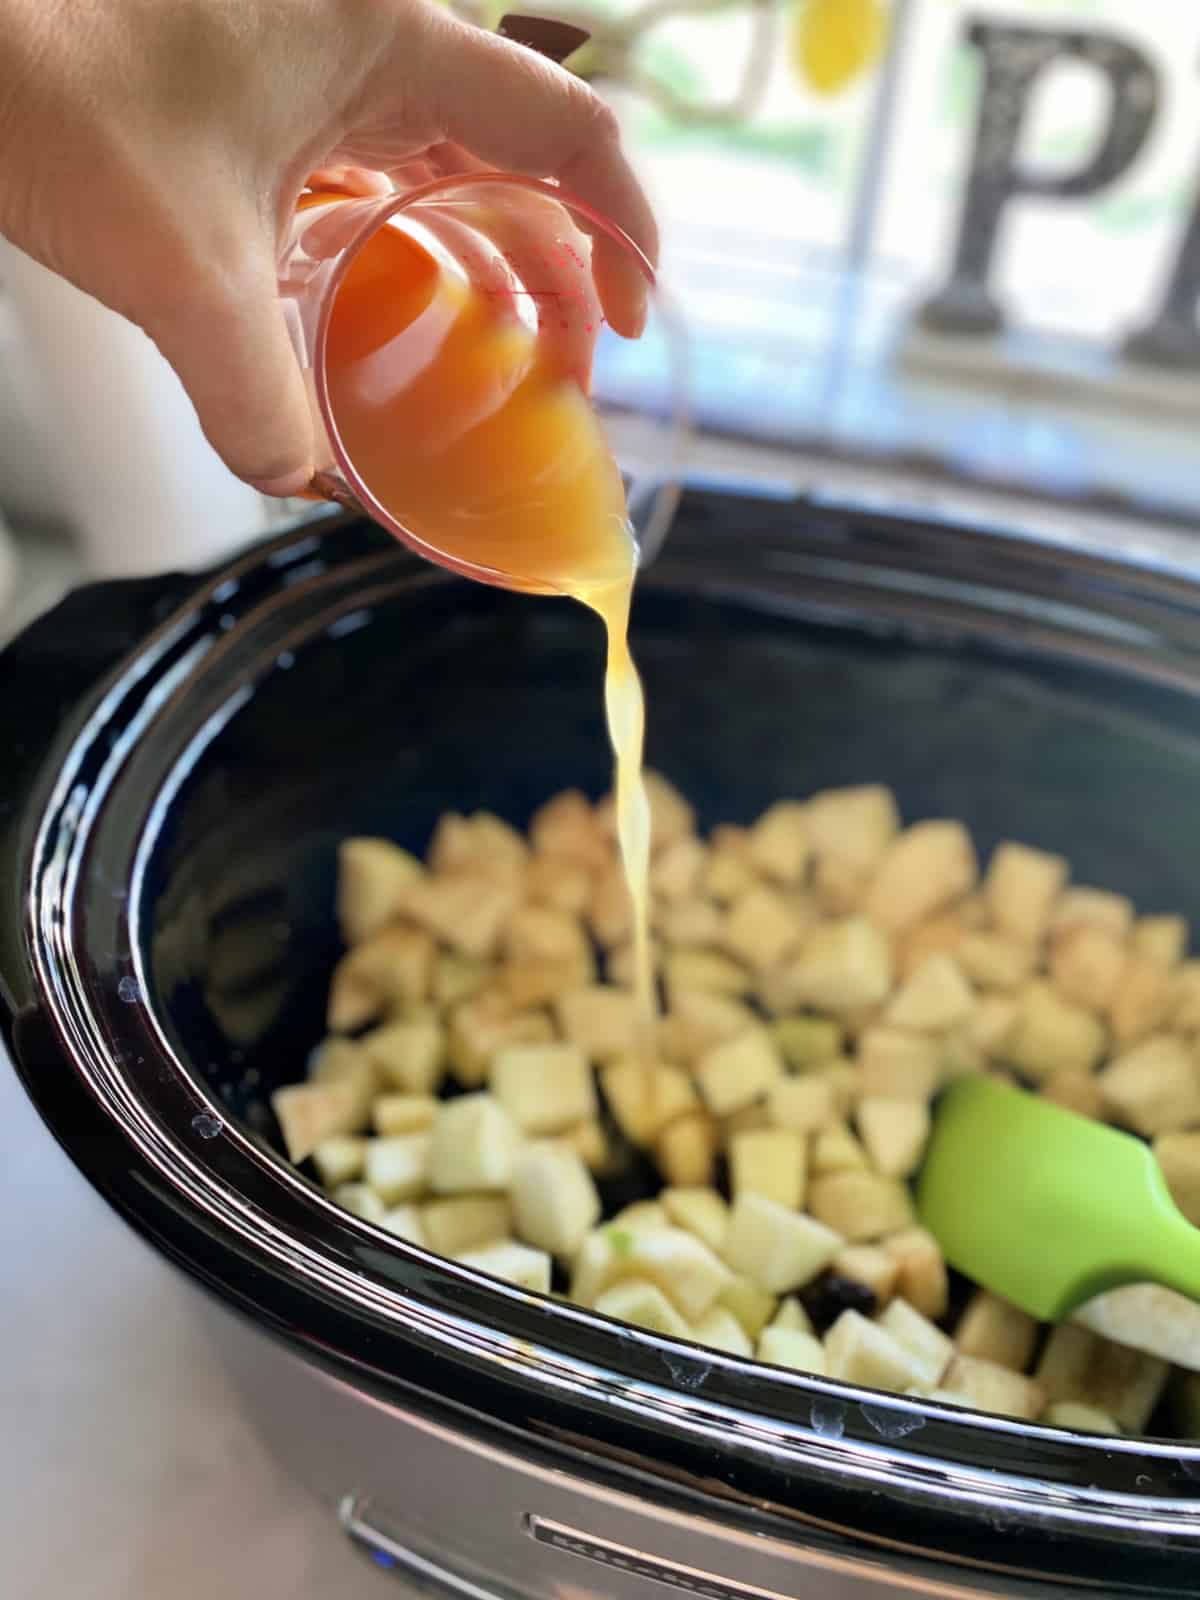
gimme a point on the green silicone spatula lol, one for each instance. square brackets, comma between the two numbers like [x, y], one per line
[1045, 1207]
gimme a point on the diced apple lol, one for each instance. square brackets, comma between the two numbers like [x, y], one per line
[721, 1330]
[554, 1200]
[804, 1105]
[869, 1265]
[762, 929]
[677, 868]
[706, 971]
[940, 935]
[923, 1280]
[860, 1206]
[538, 983]
[464, 1222]
[601, 1021]
[1079, 1365]
[646, 1097]
[639, 1216]
[992, 1329]
[839, 887]
[311, 1113]
[1154, 1087]
[1183, 1007]
[789, 1347]
[1049, 1033]
[935, 997]
[610, 912]
[806, 1042]
[337, 1060]
[472, 1147]
[734, 1074]
[896, 1065]
[590, 1143]
[384, 973]
[405, 1222]
[925, 868]
[481, 845]
[995, 961]
[566, 828]
[562, 885]
[360, 1201]
[515, 1263]
[1021, 888]
[1086, 963]
[1076, 1418]
[698, 1210]
[776, 1248]
[1078, 1091]
[1149, 1318]
[397, 1169]
[484, 1025]
[771, 1162]
[991, 1022]
[1161, 939]
[727, 873]
[1140, 1001]
[539, 933]
[748, 1119]
[690, 924]
[835, 1149]
[697, 1021]
[859, 1351]
[894, 1134]
[457, 978]
[372, 873]
[467, 912]
[753, 1307]
[644, 1305]
[790, 1314]
[993, 1388]
[403, 1113]
[411, 1056]
[779, 843]
[684, 1268]
[1098, 908]
[339, 1159]
[844, 965]
[854, 825]
[685, 1151]
[1179, 1157]
[545, 1088]
[924, 1340]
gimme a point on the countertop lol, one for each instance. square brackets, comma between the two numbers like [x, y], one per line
[127, 1471]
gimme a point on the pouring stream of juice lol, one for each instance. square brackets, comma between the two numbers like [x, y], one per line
[470, 432]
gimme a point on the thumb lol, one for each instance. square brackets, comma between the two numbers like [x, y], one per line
[227, 340]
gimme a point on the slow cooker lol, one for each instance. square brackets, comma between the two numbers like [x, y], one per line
[185, 753]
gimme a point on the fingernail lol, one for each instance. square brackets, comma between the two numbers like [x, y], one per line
[282, 488]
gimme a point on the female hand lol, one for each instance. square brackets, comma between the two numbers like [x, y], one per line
[155, 149]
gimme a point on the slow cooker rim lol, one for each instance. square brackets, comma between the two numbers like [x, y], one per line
[219, 586]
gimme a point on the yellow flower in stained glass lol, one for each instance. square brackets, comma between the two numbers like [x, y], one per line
[834, 41]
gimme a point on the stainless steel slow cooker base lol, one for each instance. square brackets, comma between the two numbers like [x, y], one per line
[451, 1512]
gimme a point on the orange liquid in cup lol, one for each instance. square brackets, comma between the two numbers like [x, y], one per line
[469, 432]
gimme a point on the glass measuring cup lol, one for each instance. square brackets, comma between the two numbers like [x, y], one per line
[518, 253]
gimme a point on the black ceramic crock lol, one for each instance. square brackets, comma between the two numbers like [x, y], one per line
[182, 756]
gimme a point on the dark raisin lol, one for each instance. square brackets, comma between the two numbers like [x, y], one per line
[826, 1297]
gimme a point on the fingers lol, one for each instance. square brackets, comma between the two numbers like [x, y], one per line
[226, 338]
[514, 110]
